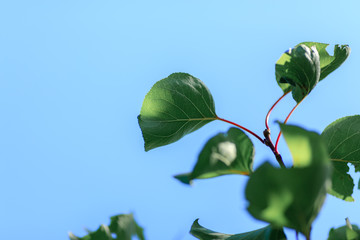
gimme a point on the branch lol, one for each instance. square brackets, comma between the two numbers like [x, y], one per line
[243, 128]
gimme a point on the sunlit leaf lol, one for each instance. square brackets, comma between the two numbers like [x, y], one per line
[266, 233]
[298, 70]
[306, 147]
[175, 106]
[343, 143]
[292, 197]
[329, 63]
[226, 153]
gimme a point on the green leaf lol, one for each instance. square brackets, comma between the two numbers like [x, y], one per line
[288, 197]
[347, 232]
[292, 197]
[306, 147]
[73, 237]
[175, 106]
[226, 153]
[266, 233]
[328, 63]
[342, 138]
[298, 70]
[123, 226]
[102, 233]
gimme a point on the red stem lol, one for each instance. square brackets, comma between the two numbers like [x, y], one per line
[243, 128]
[273, 106]
[287, 118]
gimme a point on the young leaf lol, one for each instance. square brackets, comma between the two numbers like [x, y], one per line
[175, 106]
[347, 232]
[226, 153]
[266, 233]
[292, 197]
[298, 70]
[123, 226]
[288, 197]
[328, 63]
[342, 138]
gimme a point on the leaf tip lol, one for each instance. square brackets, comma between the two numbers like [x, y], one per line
[184, 178]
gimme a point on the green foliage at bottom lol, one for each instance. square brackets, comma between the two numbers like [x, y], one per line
[266, 233]
[122, 227]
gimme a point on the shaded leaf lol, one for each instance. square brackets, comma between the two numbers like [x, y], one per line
[292, 197]
[347, 232]
[267, 233]
[343, 143]
[298, 70]
[123, 226]
[288, 197]
[328, 63]
[226, 153]
[175, 106]
[342, 182]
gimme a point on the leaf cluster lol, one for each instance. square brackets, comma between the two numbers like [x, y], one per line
[283, 197]
[122, 227]
[288, 197]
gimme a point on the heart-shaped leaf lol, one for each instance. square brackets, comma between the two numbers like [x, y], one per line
[292, 197]
[266, 233]
[298, 70]
[226, 153]
[343, 143]
[328, 63]
[175, 106]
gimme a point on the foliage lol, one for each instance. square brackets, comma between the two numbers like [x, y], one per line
[174, 107]
[343, 138]
[225, 153]
[122, 227]
[347, 232]
[282, 197]
[266, 233]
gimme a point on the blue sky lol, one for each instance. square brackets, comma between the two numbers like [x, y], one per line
[73, 75]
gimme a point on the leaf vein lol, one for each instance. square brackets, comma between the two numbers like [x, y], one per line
[183, 95]
[347, 138]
